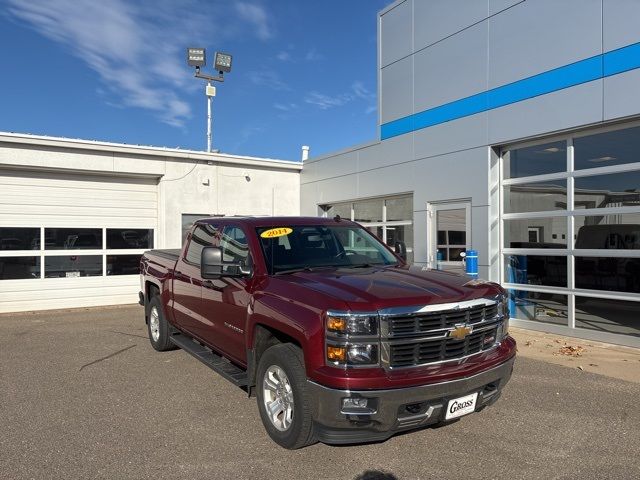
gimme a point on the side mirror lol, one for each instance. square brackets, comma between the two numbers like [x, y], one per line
[401, 250]
[213, 266]
[211, 262]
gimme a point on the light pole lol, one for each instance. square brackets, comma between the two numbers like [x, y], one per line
[196, 57]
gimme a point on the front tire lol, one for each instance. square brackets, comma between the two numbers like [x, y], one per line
[283, 399]
[158, 327]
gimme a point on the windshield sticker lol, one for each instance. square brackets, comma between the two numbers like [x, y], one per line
[276, 232]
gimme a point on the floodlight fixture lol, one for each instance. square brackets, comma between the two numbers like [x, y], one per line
[196, 57]
[222, 62]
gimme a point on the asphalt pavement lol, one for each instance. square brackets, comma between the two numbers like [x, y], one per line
[83, 395]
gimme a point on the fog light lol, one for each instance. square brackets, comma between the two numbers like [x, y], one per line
[354, 402]
[359, 406]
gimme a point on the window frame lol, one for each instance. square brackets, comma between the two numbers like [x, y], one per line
[569, 214]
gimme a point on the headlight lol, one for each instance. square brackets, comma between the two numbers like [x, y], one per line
[353, 354]
[503, 311]
[352, 339]
[348, 324]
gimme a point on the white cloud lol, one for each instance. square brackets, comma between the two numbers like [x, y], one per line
[138, 48]
[256, 15]
[285, 107]
[268, 78]
[357, 92]
[313, 55]
[283, 56]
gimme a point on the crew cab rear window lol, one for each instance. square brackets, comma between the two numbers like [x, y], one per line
[202, 236]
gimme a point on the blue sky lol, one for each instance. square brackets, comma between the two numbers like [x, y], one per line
[304, 72]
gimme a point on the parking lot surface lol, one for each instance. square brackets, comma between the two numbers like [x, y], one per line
[83, 395]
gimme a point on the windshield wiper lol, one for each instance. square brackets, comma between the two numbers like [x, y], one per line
[370, 265]
[305, 269]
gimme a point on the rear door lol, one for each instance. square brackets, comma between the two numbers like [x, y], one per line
[225, 301]
[187, 282]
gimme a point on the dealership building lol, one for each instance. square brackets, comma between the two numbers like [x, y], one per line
[511, 128]
[507, 127]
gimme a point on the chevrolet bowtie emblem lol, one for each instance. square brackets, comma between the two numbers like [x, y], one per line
[460, 331]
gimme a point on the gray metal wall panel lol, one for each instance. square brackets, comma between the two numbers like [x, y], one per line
[396, 87]
[451, 69]
[337, 189]
[620, 23]
[450, 177]
[462, 134]
[540, 35]
[393, 151]
[496, 6]
[572, 107]
[434, 20]
[395, 28]
[336, 166]
[621, 97]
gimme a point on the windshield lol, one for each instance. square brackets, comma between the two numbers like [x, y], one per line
[315, 246]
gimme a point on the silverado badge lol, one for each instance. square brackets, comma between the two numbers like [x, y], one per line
[460, 331]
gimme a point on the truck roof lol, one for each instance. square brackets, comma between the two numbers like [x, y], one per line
[273, 221]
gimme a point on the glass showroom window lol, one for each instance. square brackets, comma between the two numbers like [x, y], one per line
[390, 218]
[71, 252]
[571, 230]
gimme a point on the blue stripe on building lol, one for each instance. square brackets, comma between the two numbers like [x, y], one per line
[593, 68]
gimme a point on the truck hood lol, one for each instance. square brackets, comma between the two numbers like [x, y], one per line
[375, 288]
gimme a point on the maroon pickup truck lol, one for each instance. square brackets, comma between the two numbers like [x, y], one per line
[338, 338]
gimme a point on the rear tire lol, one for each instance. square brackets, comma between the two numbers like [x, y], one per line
[158, 327]
[283, 398]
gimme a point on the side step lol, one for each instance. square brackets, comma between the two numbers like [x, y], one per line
[212, 360]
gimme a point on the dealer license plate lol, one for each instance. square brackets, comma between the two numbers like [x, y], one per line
[461, 406]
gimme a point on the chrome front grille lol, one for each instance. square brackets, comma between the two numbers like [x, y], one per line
[439, 350]
[417, 336]
[420, 323]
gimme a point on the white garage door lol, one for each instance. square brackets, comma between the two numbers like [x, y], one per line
[70, 240]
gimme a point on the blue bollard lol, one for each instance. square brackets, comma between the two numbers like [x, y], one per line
[472, 263]
[439, 259]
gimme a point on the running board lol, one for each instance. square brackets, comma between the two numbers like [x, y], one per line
[212, 360]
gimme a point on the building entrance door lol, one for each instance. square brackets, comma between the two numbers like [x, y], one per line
[449, 235]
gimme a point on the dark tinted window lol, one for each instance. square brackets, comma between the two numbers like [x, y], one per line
[234, 245]
[129, 238]
[123, 264]
[539, 307]
[603, 315]
[19, 267]
[536, 160]
[14, 238]
[203, 236]
[611, 232]
[188, 219]
[603, 273]
[546, 270]
[536, 197]
[613, 190]
[73, 266]
[606, 149]
[72, 238]
[546, 232]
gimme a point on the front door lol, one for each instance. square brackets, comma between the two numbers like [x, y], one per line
[449, 235]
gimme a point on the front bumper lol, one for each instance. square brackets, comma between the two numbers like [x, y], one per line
[398, 409]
